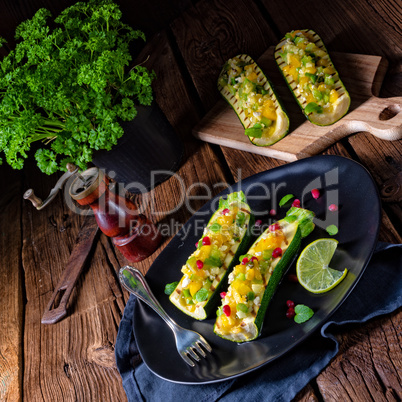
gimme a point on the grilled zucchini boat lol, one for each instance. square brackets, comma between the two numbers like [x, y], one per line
[245, 87]
[253, 282]
[311, 76]
[225, 237]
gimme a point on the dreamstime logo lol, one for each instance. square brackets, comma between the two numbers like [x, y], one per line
[260, 195]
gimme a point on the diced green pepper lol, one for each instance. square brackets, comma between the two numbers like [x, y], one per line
[267, 254]
[186, 292]
[191, 262]
[250, 296]
[240, 218]
[242, 307]
[267, 122]
[241, 276]
[313, 77]
[313, 107]
[329, 80]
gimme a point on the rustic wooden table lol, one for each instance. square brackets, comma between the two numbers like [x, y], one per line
[187, 42]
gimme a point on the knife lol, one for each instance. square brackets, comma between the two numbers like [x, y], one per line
[57, 307]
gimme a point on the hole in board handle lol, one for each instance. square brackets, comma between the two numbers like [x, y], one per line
[389, 112]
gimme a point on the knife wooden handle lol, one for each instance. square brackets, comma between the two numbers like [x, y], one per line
[57, 306]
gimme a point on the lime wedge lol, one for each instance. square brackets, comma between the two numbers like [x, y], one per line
[312, 268]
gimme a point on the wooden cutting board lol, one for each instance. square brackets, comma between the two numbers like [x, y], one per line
[362, 76]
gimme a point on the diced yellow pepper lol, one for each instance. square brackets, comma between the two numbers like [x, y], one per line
[204, 252]
[194, 287]
[304, 80]
[333, 95]
[225, 220]
[293, 60]
[250, 274]
[269, 113]
[311, 70]
[252, 76]
[329, 70]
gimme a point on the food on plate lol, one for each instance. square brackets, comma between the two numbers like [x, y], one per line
[225, 237]
[245, 87]
[311, 76]
[253, 282]
[312, 267]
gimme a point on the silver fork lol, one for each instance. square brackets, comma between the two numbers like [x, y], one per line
[188, 343]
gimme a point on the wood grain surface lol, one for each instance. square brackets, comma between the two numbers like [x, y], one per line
[188, 41]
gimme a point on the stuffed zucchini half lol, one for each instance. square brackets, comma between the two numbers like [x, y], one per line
[225, 237]
[246, 88]
[311, 76]
[253, 282]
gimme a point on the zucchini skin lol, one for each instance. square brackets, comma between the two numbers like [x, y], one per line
[297, 224]
[205, 309]
[320, 114]
[269, 135]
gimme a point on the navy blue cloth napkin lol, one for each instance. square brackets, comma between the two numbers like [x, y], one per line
[378, 292]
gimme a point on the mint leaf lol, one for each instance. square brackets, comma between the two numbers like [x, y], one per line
[170, 287]
[303, 313]
[332, 230]
[201, 295]
[285, 199]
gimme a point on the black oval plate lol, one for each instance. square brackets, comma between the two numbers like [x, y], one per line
[342, 182]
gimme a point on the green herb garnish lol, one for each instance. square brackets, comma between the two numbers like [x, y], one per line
[170, 287]
[285, 199]
[332, 230]
[201, 295]
[303, 313]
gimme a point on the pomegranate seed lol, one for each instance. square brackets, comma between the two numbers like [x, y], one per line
[206, 241]
[226, 310]
[277, 252]
[272, 212]
[293, 278]
[274, 227]
[290, 304]
[196, 245]
[315, 193]
[258, 222]
[253, 259]
[200, 264]
[244, 261]
[225, 211]
[296, 203]
[290, 313]
[223, 295]
[333, 207]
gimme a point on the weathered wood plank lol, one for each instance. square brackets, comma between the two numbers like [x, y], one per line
[369, 364]
[213, 31]
[11, 286]
[84, 340]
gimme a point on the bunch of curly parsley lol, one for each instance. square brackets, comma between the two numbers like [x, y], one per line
[68, 87]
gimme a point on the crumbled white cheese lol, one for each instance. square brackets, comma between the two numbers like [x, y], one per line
[257, 301]
[231, 277]
[186, 281]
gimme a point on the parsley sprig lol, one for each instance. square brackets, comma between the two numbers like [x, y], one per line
[69, 86]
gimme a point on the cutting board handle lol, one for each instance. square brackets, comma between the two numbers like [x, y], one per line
[382, 117]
